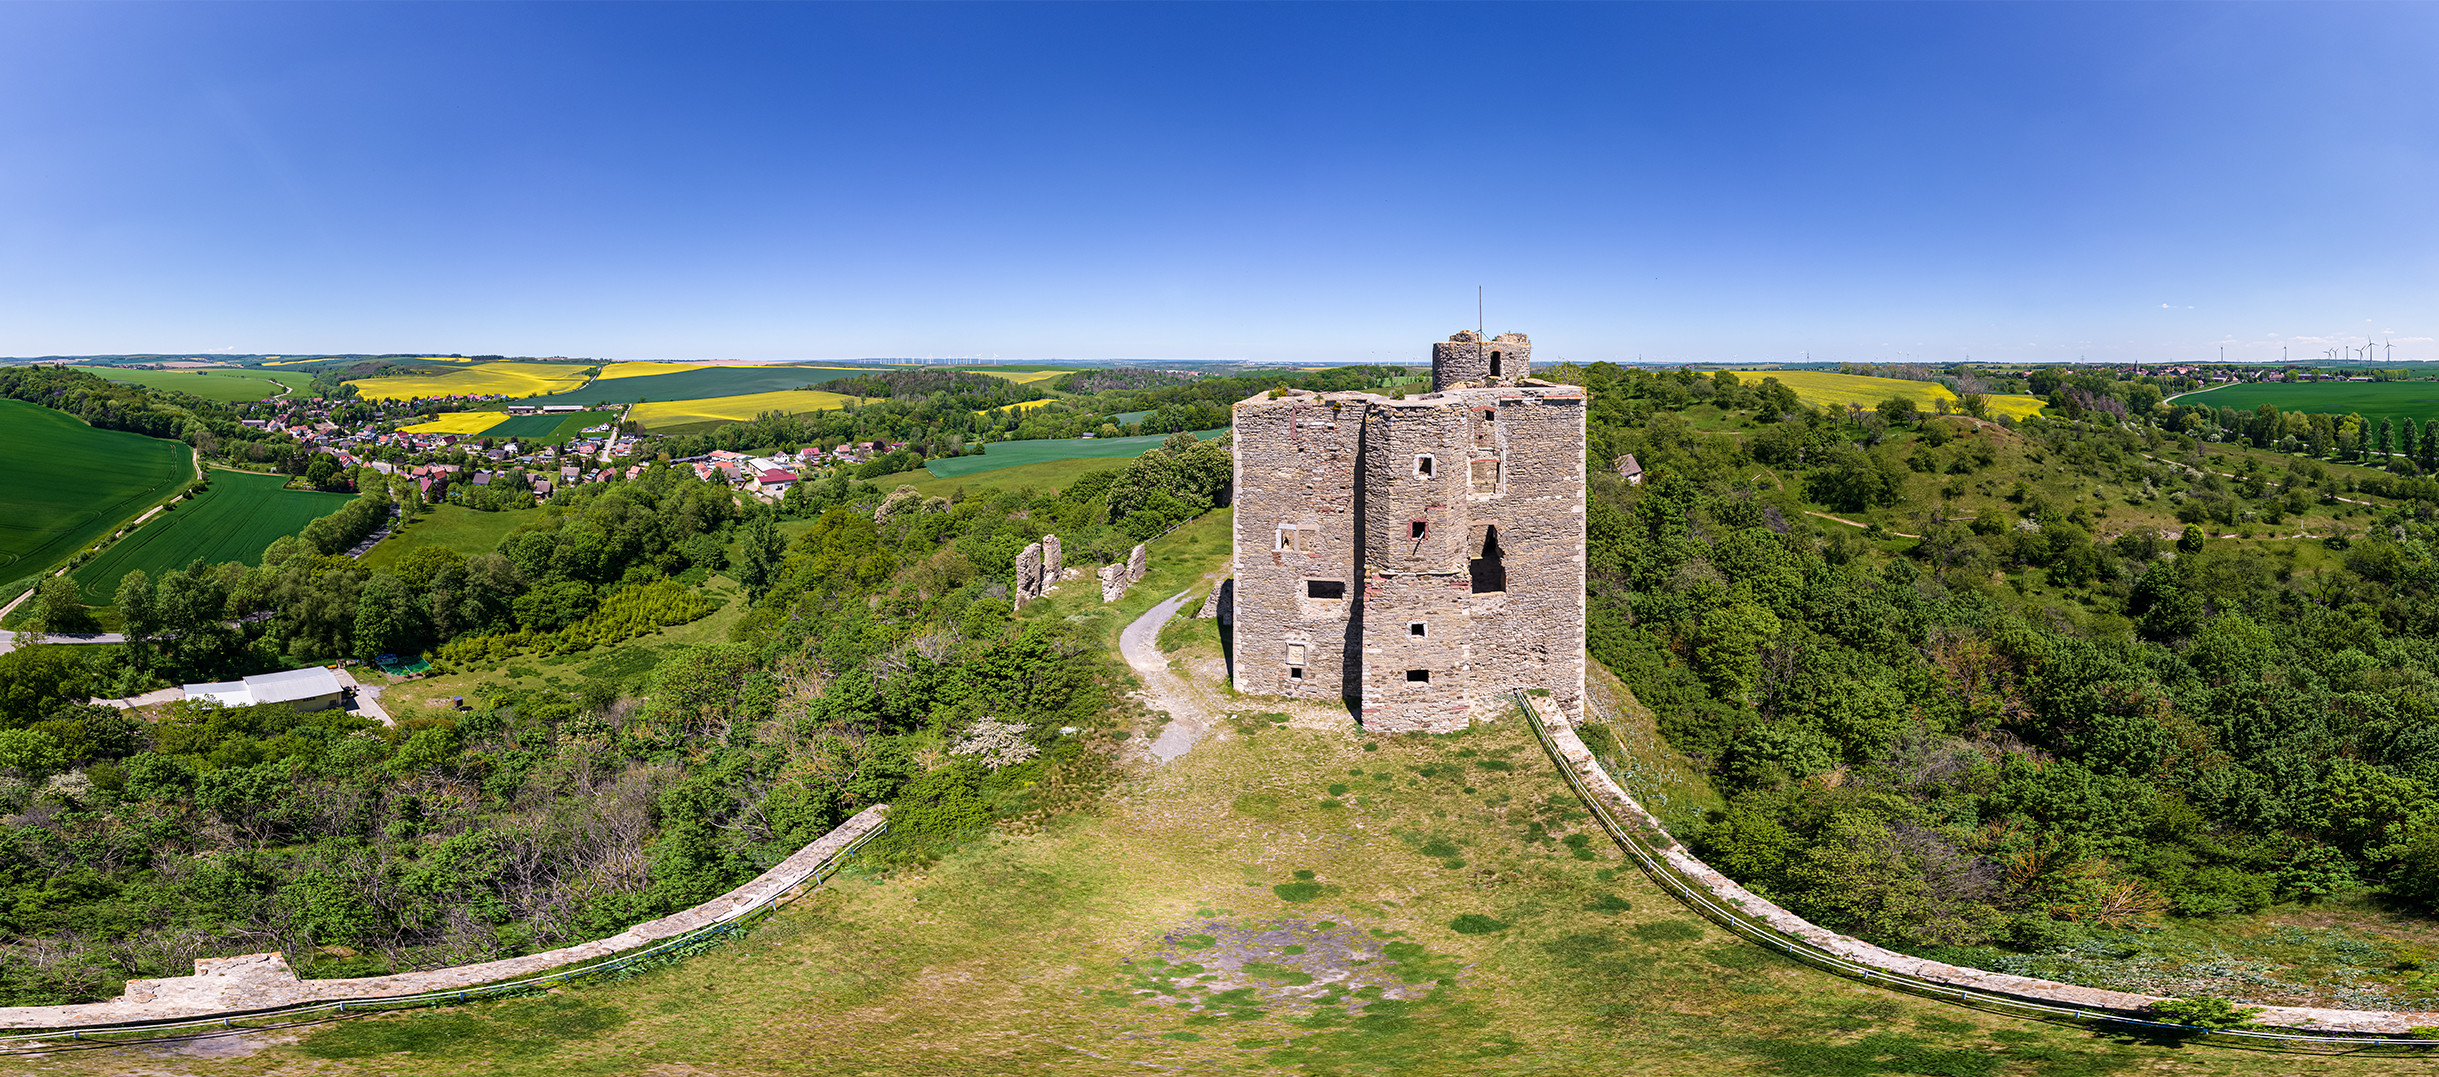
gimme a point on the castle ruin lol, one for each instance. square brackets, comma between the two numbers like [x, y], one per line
[1417, 557]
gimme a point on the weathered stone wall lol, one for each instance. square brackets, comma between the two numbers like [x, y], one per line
[1052, 563]
[1296, 503]
[1401, 499]
[264, 981]
[1136, 564]
[1467, 359]
[1028, 575]
[1681, 863]
[1113, 582]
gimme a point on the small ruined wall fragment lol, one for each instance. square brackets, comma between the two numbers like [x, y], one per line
[1113, 581]
[1135, 565]
[1211, 602]
[1052, 563]
[1028, 575]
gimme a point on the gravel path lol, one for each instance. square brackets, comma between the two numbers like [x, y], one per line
[1164, 690]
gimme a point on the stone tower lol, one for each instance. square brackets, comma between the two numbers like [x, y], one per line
[1466, 358]
[1416, 557]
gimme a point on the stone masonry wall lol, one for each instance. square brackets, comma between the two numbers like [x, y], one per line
[1683, 864]
[1466, 358]
[1360, 520]
[1296, 502]
[264, 981]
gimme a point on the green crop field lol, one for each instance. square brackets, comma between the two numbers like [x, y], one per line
[232, 521]
[69, 484]
[2374, 400]
[454, 526]
[701, 384]
[552, 427]
[1001, 454]
[229, 386]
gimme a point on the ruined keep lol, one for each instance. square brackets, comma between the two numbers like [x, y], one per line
[1414, 557]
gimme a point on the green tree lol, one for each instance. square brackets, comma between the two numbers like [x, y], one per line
[758, 561]
[59, 607]
[1728, 652]
[138, 620]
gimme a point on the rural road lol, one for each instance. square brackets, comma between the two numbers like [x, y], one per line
[1163, 689]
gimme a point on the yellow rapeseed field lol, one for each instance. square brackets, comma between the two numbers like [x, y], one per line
[1021, 405]
[1820, 388]
[503, 379]
[458, 422]
[662, 413]
[644, 368]
[1023, 377]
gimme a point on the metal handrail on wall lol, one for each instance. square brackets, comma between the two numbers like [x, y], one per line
[182, 1028]
[1629, 837]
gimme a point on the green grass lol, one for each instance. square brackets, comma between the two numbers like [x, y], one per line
[999, 454]
[702, 384]
[454, 526]
[229, 386]
[1147, 937]
[68, 484]
[2373, 400]
[232, 521]
[1049, 475]
[623, 663]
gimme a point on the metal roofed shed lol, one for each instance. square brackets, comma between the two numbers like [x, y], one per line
[311, 689]
[225, 693]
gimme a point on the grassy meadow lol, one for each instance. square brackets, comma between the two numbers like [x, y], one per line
[69, 484]
[1000, 454]
[1292, 896]
[1823, 389]
[229, 386]
[480, 379]
[454, 526]
[232, 521]
[2373, 400]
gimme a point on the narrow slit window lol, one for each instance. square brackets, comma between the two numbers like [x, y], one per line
[1494, 369]
[1324, 589]
[1418, 676]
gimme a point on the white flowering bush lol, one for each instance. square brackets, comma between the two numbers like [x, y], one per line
[997, 743]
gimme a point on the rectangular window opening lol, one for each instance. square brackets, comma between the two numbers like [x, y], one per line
[1418, 676]
[1423, 466]
[1415, 529]
[1416, 629]
[1324, 589]
[1295, 673]
[1489, 571]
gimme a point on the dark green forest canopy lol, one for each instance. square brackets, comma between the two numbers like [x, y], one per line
[2018, 726]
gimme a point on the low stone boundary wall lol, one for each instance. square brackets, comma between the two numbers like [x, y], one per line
[1720, 899]
[261, 984]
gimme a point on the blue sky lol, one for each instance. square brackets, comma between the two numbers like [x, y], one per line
[1300, 183]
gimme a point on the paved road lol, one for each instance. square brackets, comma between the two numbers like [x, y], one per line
[1164, 690]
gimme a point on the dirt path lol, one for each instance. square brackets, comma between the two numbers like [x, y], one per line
[1164, 690]
[1854, 523]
